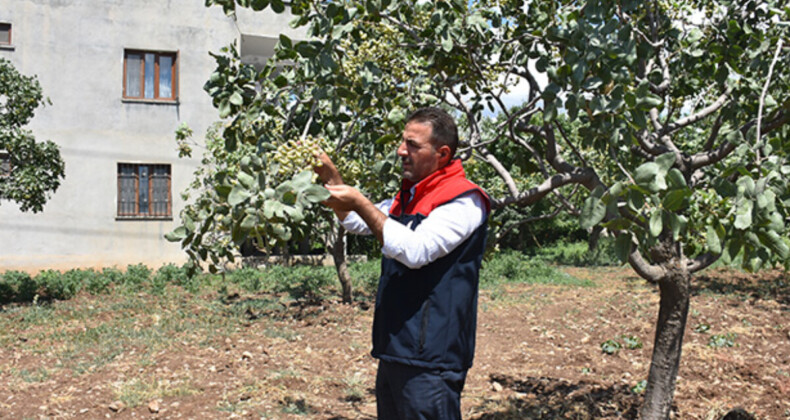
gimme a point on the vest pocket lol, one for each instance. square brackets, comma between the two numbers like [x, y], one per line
[426, 314]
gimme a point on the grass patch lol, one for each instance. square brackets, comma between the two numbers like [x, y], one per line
[515, 267]
[138, 391]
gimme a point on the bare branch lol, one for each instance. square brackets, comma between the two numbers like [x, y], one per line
[500, 170]
[703, 113]
[584, 176]
[765, 88]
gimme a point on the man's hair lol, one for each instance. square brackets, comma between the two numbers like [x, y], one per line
[444, 132]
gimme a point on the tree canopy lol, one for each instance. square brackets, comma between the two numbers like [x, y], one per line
[30, 171]
[680, 112]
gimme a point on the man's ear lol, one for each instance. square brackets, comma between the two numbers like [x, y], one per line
[444, 154]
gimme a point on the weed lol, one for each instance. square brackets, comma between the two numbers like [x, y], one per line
[722, 340]
[639, 387]
[611, 346]
[296, 406]
[138, 391]
[354, 387]
[702, 328]
[632, 342]
[17, 286]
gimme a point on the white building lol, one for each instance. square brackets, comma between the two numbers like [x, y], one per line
[122, 76]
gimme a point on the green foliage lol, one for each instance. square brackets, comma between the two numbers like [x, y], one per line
[578, 253]
[59, 286]
[169, 274]
[136, 274]
[514, 267]
[722, 340]
[33, 170]
[611, 346]
[17, 286]
[640, 387]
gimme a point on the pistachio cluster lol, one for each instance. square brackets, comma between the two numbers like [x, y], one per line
[298, 155]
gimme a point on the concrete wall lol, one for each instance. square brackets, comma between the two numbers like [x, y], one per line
[76, 48]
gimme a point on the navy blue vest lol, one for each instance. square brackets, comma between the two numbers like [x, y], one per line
[427, 317]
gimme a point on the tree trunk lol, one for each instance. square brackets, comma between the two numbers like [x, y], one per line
[670, 327]
[341, 264]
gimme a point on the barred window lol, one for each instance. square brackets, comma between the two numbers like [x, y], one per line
[144, 190]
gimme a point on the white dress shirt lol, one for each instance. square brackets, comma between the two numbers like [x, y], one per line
[446, 227]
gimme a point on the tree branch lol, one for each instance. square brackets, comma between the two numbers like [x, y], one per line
[702, 262]
[765, 89]
[585, 176]
[649, 272]
[703, 113]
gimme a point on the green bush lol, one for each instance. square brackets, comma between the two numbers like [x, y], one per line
[366, 275]
[17, 286]
[60, 286]
[578, 253]
[515, 267]
[249, 279]
[97, 283]
[136, 275]
[169, 274]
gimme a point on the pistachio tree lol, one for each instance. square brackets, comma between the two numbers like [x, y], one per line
[680, 109]
[30, 171]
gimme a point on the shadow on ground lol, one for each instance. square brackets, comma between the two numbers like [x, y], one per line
[551, 398]
[766, 285]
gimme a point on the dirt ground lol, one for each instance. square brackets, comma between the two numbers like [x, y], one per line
[539, 356]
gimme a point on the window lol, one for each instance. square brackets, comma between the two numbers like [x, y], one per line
[150, 75]
[5, 164]
[5, 33]
[144, 191]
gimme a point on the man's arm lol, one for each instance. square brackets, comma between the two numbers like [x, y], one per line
[346, 199]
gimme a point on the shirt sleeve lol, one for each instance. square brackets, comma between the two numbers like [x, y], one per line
[356, 225]
[446, 227]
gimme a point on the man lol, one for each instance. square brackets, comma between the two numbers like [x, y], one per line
[433, 236]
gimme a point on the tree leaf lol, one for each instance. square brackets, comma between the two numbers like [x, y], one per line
[177, 234]
[592, 212]
[743, 214]
[315, 194]
[622, 246]
[655, 222]
[713, 240]
[238, 195]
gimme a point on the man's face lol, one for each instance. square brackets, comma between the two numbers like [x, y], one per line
[418, 155]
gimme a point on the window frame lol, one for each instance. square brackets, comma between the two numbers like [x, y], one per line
[122, 214]
[174, 71]
[10, 43]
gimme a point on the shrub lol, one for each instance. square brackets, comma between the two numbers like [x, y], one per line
[136, 274]
[17, 286]
[169, 274]
[59, 286]
[515, 267]
[249, 279]
[578, 253]
[96, 283]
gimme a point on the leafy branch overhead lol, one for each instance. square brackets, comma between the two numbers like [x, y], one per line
[666, 123]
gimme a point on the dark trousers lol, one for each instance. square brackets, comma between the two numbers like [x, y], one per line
[411, 393]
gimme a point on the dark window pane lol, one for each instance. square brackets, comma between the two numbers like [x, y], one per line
[5, 33]
[165, 76]
[149, 74]
[160, 189]
[143, 190]
[133, 66]
[127, 193]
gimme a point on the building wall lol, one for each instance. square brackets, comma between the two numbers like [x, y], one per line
[76, 48]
